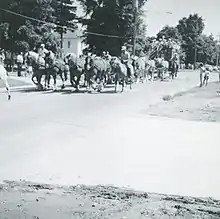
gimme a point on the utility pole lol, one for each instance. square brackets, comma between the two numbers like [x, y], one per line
[218, 43]
[135, 7]
[195, 56]
[61, 30]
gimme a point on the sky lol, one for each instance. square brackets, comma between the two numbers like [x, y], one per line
[156, 17]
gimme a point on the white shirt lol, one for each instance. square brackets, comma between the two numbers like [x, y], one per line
[42, 52]
[20, 59]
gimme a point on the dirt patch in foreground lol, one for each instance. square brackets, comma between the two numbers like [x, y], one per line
[199, 104]
[35, 201]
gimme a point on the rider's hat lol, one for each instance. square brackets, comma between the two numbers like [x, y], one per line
[123, 48]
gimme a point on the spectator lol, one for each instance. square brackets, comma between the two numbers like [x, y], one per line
[2, 57]
[20, 62]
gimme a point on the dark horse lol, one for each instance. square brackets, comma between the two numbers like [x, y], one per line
[76, 67]
[173, 68]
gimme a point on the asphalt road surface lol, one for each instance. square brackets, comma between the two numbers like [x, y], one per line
[79, 138]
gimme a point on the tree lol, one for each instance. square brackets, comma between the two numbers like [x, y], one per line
[169, 32]
[190, 29]
[207, 49]
[65, 16]
[113, 20]
[17, 29]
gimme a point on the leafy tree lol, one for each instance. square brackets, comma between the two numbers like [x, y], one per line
[169, 32]
[111, 18]
[207, 49]
[17, 29]
[190, 29]
[20, 34]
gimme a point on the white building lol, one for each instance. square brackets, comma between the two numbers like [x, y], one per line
[72, 42]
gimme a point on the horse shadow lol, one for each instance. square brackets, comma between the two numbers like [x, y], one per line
[68, 90]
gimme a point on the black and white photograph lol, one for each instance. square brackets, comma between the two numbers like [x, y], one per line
[109, 109]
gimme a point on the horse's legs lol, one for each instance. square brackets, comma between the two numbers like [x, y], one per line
[219, 77]
[122, 85]
[71, 77]
[65, 75]
[39, 77]
[78, 81]
[54, 82]
[89, 81]
[152, 75]
[32, 78]
[162, 74]
[62, 79]
[131, 84]
[48, 80]
[116, 83]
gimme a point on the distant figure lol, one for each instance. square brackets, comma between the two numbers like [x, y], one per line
[206, 76]
[20, 62]
[202, 72]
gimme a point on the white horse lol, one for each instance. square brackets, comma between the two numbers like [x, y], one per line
[4, 78]
[151, 68]
[140, 70]
[163, 67]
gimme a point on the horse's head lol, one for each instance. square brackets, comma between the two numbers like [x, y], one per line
[113, 61]
[50, 58]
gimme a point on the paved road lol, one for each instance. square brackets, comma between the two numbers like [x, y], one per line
[69, 138]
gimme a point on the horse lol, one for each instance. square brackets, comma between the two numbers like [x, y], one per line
[76, 67]
[162, 68]
[56, 66]
[38, 65]
[4, 78]
[173, 68]
[151, 68]
[108, 76]
[140, 69]
[120, 71]
[96, 69]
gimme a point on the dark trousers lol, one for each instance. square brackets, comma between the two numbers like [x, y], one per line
[19, 69]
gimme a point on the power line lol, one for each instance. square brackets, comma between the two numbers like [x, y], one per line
[64, 27]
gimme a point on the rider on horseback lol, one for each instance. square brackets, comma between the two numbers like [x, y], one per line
[175, 58]
[42, 51]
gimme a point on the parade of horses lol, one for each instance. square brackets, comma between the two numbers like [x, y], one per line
[96, 71]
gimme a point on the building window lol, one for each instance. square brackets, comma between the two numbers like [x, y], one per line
[69, 44]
